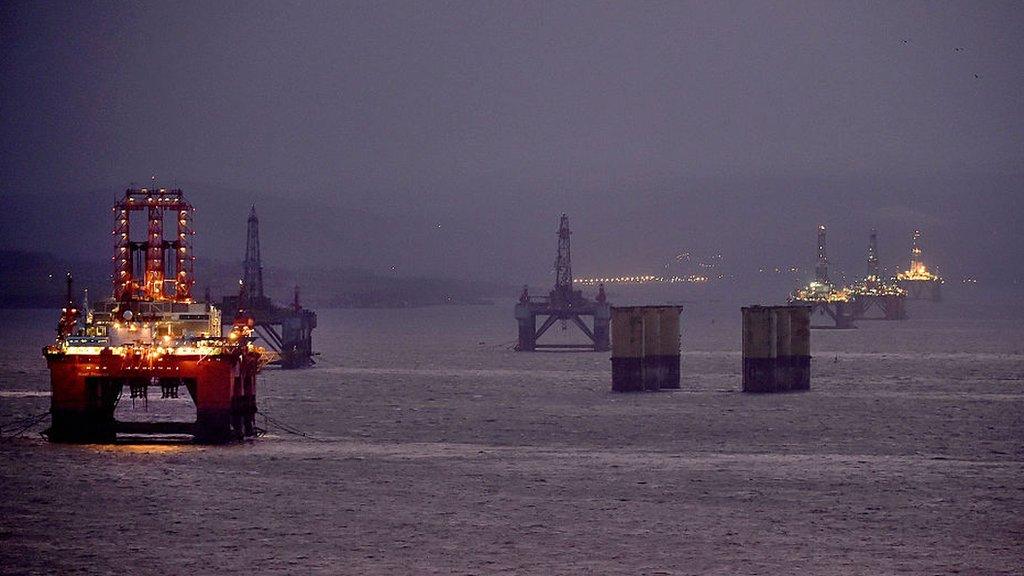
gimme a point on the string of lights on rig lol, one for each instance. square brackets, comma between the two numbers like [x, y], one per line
[645, 279]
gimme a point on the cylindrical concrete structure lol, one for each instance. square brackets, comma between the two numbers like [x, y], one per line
[800, 346]
[758, 349]
[776, 348]
[668, 347]
[652, 371]
[783, 348]
[645, 348]
[627, 349]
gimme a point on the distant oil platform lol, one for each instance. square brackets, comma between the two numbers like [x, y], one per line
[919, 282]
[874, 293]
[563, 304]
[822, 296]
[287, 330]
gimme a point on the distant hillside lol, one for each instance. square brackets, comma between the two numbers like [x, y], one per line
[36, 280]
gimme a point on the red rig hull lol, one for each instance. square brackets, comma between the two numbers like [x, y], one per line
[86, 387]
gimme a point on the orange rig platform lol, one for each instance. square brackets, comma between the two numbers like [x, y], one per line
[151, 334]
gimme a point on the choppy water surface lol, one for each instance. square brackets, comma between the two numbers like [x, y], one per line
[438, 449]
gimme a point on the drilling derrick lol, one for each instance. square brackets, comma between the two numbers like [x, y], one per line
[69, 314]
[873, 272]
[563, 304]
[821, 268]
[920, 282]
[916, 265]
[253, 268]
[876, 293]
[140, 266]
[287, 330]
[823, 298]
[563, 262]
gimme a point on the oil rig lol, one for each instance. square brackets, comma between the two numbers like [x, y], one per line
[563, 304]
[287, 330]
[823, 298]
[876, 294]
[919, 282]
[151, 334]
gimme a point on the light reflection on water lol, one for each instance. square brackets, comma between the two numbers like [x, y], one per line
[24, 393]
[144, 448]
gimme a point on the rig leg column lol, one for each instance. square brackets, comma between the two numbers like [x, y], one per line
[602, 321]
[859, 307]
[81, 408]
[527, 328]
[844, 316]
[895, 308]
[215, 403]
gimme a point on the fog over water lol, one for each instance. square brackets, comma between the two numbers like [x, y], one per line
[445, 138]
[402, 154]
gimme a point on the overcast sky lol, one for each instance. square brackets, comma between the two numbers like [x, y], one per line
[446, 138]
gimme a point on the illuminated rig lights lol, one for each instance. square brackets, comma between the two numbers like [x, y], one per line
[875, 286]
[642, 279]
[918, 271]
[821, 292]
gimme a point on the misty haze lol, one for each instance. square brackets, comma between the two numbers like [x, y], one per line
[456, 287]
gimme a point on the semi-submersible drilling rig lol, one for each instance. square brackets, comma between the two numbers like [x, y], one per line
[821, 295]
[563, 303]
[877, 292]
[287, 330]
[150, 334]
[920, 282]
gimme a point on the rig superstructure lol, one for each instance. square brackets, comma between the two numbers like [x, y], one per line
[151, 333]
[920, 282]
[286, 330]
[821, 295]
[875, 292]
[563, 303]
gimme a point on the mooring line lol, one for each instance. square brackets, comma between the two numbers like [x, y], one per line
[22, 426]
[290, 429]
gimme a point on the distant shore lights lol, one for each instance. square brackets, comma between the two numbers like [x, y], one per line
[642, 279]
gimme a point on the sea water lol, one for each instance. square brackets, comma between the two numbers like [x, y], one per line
[422, 443]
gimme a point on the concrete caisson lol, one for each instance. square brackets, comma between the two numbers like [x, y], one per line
[627, 350]
[776, 348]
[758, 349]
[645, 348]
